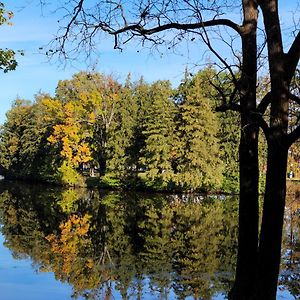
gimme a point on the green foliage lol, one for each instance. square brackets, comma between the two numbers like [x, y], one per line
[7, 60]
[110, 180]
[69, 200]
[137, 135]
[25, 152]
[198, 163]
[229, 135]
[262, 154]
[67, 175]
[159, 131]
[7, 56]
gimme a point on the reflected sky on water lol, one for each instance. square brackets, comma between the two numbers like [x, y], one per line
[59, 244]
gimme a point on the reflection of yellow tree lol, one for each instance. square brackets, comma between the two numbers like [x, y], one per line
[69, 199]
[71, 250]
[121, 240]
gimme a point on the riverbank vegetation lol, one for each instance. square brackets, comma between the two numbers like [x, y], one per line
[98, 131]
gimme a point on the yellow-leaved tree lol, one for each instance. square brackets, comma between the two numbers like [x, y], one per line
[69, 136]
[95, 97]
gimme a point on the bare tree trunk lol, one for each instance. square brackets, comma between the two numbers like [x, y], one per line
[248, 160]
[272, 223]
[248, 220]
[274, 200]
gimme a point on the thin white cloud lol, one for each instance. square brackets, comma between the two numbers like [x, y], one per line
[28, 32]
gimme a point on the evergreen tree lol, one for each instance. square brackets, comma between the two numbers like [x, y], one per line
[215, 87]
[120, 142]
[159, 131]
[198, 163]
[25, 152]
[11, 134]
[229, 136]
[142, 98]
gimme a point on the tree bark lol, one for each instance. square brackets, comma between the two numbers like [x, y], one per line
[248, 160]
[272, 222]
[274, 200]
[248, 220]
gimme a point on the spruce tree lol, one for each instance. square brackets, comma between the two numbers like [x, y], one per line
[198, 163]
[120, 163]
[229, 137]
[159, 133]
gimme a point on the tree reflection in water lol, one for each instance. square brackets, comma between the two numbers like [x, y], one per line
[101, 242]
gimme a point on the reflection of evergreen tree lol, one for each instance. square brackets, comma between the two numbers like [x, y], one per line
[188, 238]
[198, 229]
[158, 252]
[228, 246]
[97, 241]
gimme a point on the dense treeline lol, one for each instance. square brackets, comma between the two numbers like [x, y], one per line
[136, 134]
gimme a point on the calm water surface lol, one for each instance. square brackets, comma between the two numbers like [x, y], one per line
[64, 244]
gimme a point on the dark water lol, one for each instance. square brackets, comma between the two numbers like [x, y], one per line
[63, 244]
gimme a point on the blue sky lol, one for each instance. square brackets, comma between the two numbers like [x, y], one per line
[32, 29]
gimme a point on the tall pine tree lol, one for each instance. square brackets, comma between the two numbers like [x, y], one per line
[159, 131]
[198, 163]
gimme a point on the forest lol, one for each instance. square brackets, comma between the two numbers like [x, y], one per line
[96, 131]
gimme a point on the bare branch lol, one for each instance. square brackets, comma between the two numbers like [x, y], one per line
[294, 98]
[264, 103]
[206, 40]
[233, 94]
[76, 12]
[292, 58]
[143, 31]
[219, 90]
[293, 136]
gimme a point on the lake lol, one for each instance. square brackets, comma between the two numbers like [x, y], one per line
[89, 244]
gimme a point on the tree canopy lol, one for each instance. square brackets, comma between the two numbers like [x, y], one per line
[148, 134]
